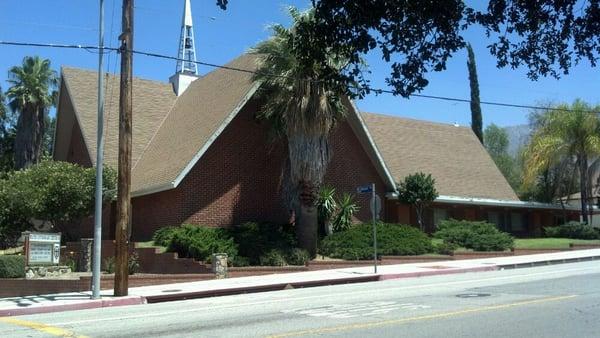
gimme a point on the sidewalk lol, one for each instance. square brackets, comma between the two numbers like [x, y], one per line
[180, 291]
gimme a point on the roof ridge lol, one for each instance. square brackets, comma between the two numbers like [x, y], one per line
[441, 124]
[114, 75]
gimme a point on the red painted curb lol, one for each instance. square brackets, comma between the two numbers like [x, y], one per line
[437, 272]
[83, 305]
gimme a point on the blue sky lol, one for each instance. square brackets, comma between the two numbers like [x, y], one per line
[231, 32]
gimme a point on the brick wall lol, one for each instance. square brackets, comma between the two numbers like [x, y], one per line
[239, 179]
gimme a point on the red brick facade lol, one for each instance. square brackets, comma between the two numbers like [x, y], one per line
[239, 179]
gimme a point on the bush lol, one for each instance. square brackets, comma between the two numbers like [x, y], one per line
[274, 257]
[445, 248]
[479, 236]
[392, 239]
[256, 239]
[297, 256]
[163, 236]
[573, 230]
[201, 242]
[12, 266]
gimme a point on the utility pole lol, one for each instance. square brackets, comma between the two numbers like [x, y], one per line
[96, 261]
[124, 180]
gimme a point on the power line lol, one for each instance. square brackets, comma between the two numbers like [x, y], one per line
[248, 71]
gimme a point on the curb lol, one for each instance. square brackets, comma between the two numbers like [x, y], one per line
[434, 273]
[548, 262]
[259, 288]
[83, 305]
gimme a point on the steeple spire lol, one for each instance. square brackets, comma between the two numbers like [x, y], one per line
[187, 48]
[186, 70]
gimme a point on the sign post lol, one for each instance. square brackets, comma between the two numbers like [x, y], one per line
[375, 205]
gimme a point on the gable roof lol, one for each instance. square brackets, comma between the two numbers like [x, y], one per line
[153, 100]
[200, 114]
[452, 155]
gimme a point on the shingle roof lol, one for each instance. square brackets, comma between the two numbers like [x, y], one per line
[169, 132]
[452, 155]
[192, 124]
[153, 100]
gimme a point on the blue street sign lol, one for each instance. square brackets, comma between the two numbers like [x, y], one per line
[365, 189]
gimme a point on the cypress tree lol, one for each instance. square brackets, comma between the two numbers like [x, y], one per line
[476, 119]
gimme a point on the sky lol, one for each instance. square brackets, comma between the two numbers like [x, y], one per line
[223, 35]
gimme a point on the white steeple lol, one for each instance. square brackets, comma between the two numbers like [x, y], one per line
[186, 70]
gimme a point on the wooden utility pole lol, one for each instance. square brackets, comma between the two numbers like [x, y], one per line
[124, 181]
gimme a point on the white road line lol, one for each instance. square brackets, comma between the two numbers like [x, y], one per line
[287, 300]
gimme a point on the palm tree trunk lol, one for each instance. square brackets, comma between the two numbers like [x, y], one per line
[29, 137]
[583, 187]
[307, 219]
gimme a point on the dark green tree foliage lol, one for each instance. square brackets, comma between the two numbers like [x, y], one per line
[546, 36]
[49, 191]
[7, 138]
[418, 190]
[417, 36]
[476, 119]
[32, 93]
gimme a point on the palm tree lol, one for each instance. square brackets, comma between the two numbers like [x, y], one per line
[31, 94]
[562, 135]
[304, 108]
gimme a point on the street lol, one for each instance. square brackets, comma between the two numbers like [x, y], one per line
[549, 301]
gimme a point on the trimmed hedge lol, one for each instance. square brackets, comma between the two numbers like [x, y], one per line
[573, 230]
[479, 236]
[247, 244]
[392, 239]
[163, 236]
[12, 266]
[200, 242]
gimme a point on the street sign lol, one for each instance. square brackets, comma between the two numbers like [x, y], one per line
[376, 207]
[365, 189]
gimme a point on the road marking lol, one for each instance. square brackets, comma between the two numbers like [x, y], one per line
[418, 318]
[337, 311]
[51, 330]
[287, 300]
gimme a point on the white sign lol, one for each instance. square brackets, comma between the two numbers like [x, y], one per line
[43, 248]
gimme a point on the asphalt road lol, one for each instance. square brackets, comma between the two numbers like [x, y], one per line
[550, 301]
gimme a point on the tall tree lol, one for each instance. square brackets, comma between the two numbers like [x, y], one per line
[573, 135]
[496, 143]
[31, 94]
[476, 119]
[304, 107]
[7, 138]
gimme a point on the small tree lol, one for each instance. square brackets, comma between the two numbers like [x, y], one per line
[418, 190]
[50, 191]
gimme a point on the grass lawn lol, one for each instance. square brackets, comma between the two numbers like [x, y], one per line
[150, 244]
[550, 243]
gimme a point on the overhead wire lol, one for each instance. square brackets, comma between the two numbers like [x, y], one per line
[249, 71]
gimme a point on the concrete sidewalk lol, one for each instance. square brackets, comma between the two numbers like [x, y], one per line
[169, 292]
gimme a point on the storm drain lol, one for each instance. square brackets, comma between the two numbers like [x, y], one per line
[473, 295]
[172, 290]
